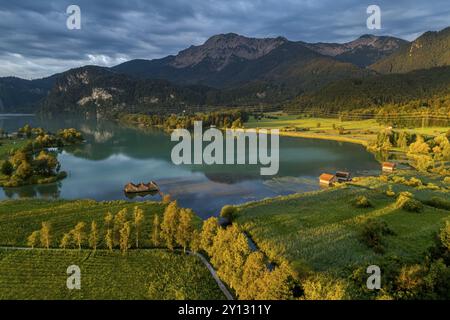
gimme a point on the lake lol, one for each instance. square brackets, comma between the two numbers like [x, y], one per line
[114, 155]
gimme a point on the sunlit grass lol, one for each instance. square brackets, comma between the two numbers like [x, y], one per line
[321, 229]
[143, 274]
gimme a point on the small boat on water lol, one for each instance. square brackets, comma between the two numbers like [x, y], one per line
[141, 187]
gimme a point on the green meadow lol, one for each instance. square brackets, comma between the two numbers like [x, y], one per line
[354, 131]
[19, 218]
[320, 231]
[141, 274]
[138, 274]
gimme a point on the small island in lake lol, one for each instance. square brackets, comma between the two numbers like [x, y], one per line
[29, 157]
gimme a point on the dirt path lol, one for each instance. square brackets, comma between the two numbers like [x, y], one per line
[219, 282]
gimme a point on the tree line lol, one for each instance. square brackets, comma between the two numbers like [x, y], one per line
[220, 119]
[245, 271]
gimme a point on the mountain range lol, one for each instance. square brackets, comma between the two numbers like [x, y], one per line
[227, 70]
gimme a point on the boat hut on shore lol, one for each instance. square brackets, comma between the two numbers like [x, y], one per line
[388, 167]
[141, 187]
[343, 176]
[327, 179]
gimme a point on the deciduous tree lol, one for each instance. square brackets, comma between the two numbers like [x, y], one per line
[33, 239]
[209, 231]
[66, 240]
[156, 231]
[125, 234]
[93, 236]
[138, 220]
[109, 240]
[79, 234]
[184, 228]
[169, 225]
[45, 234]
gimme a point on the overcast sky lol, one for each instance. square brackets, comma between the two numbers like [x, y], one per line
[35, 42]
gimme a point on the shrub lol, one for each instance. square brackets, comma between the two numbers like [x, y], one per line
[413, 182]
[447, 180]
[399, 179]
[324, 287]
[412, 205]
[7, 168]
[362, 202]
[407, 202]
[228, 212]
[390, 192]
[444, 236]
[372, 234]
[432, 186]
[410, 281]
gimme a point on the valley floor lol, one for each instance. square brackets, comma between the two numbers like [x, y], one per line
[355, 131]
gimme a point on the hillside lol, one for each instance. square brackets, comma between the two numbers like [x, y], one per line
[430, 50]
[376, 92]
[96, 91]
[362, 52]
[20, 95]
[230, 61]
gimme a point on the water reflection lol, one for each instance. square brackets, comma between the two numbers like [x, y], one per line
[114, 155]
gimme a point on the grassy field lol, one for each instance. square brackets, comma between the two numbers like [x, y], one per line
[320, 230]
[6, 145]
[142, 274]
[358, 131]
[19, 218]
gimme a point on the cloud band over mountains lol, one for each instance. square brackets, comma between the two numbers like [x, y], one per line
[35, 42]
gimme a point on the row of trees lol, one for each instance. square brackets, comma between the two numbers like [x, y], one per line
[119, 232]
[244, 270]
[222, 119]
[44, 139]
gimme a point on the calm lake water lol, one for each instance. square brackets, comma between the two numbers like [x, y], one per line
[114, 155]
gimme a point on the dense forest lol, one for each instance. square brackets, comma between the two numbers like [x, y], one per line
[423, 92]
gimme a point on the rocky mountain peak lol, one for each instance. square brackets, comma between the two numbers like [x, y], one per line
[220, 49]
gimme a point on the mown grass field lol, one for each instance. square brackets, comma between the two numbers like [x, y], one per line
[321, 230]
[141, 274]
[356, 131]
[19, 218]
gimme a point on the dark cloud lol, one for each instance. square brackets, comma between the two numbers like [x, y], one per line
[35, 42]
